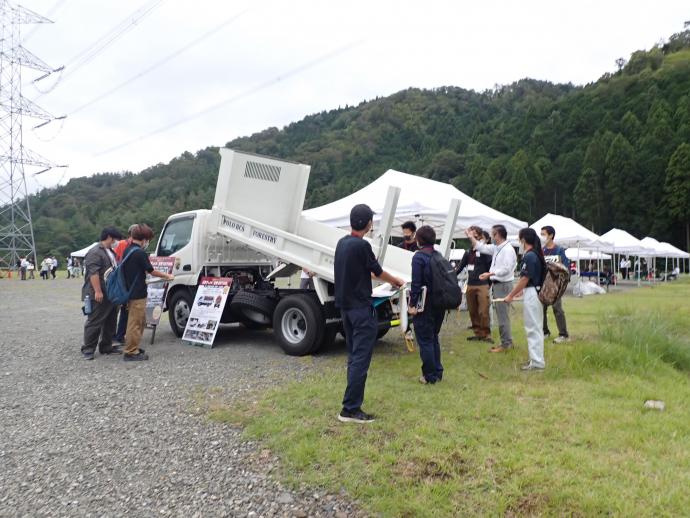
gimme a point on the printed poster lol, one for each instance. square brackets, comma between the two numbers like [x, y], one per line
[157, 290]
[204, 318]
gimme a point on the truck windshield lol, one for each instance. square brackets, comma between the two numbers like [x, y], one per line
[176, 235]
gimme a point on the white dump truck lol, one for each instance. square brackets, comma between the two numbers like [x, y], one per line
[254, 233]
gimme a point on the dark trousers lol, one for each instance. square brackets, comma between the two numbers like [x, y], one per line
[360, 328]
[53, 271]
[560, 318]
[427, 326]
[121, 325]
[99, 327]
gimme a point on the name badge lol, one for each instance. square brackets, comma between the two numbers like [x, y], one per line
[470, 267]
[478, 254]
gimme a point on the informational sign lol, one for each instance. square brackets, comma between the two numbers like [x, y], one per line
[157, 290]
[204, 318]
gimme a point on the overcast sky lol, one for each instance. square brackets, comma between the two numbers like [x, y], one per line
[271, 63]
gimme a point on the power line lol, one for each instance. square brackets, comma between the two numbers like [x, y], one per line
[48, 14]
[101, 44]
[162, 62]
[229, 100]
[90, 53]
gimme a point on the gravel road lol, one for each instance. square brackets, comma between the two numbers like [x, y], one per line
[109, 438]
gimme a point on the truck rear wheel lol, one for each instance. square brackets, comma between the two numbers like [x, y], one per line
[298, 324]
[178, 311]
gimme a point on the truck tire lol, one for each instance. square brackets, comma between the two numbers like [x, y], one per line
[253, 307]
[298, 324]
[178, 311]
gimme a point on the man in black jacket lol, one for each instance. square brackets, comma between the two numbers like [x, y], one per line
[477, 294]
[100, 323]
[354, 267]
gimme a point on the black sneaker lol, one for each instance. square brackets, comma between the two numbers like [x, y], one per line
[115, 349]
[473, 338]
[355, 417]
[87, 355]
[139, 357]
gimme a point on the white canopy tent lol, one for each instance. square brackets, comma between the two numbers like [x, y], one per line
[625, 243]
[655, 246]
[569, 233]
[82, 253]
[677, 254]
[421, 200]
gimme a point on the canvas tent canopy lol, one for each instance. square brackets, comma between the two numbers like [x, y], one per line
[569, 233]
[674, 252]
[421, 200]
[624, 243]
[653, 244]
[82, 253]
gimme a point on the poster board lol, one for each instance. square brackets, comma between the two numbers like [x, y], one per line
[157, 290]
[204, 318]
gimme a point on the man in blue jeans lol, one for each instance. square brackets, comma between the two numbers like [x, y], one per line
[427, 320]
[355, 265]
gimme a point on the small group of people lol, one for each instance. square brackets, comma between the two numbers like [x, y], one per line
[73, 268]
[49, 267]
[101, 328]
[490, 263]
[26, 268]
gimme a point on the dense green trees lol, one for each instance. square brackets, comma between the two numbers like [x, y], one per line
[611, 153]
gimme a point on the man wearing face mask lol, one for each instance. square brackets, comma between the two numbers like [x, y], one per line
[100, 323]
[409, 230]
[477, 263]
[553, 252]
[135, 266]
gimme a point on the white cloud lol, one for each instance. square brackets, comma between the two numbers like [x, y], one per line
[401, 44]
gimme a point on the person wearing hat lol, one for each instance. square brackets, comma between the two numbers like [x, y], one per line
[355, 265]
[100, 323]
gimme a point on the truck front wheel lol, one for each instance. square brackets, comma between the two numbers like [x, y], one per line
[178, 311]
[299, 324]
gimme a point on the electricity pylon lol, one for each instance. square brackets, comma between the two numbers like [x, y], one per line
[16, 228]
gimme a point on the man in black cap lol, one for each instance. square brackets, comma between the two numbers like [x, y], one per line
[355, 265]
[100, 323]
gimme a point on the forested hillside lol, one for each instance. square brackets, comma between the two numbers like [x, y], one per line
[615, 152]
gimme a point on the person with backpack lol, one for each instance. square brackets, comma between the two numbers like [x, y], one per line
[478, 302]
[100, 322]
[119, 251]
[556, 254]
[354, 266]
[135, 265]
[532, 272]
[427, 320]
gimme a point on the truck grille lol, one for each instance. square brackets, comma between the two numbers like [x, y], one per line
[258, 171]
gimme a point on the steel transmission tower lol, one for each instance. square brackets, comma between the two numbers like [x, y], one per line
[16, 228]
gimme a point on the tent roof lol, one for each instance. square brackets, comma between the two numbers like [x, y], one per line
[652, 243]
[625, 243]
[674, 252]
[570, 233]
[83, 251]
[421, 199]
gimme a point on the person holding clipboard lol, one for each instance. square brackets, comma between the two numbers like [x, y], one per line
[427, 320]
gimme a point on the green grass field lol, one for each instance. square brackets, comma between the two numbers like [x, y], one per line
[491, 440]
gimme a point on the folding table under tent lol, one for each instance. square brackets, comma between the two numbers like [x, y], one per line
[421, 200]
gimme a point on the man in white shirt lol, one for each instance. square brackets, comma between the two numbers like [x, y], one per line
[500, 273]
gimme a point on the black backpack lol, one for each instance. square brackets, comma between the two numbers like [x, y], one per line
[445, 291]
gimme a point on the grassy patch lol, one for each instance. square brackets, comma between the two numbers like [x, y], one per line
[491, 440]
